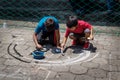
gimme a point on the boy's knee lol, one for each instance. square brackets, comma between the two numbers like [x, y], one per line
[87, 32]
[71, 36]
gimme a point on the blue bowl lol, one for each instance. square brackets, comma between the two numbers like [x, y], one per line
[57, 50]
[38, 54]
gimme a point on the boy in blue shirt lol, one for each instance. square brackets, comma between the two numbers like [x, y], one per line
[47, 31]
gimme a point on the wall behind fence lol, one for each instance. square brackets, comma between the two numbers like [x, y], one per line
[105, 11]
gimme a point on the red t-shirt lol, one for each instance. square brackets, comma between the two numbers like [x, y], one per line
[82, 25]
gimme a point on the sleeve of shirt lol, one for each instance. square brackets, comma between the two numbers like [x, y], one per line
[67, 32]
[56, 23]
[87, 25]
[39, 27]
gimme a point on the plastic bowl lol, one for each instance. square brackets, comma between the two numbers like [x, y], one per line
[38, 54]
[57, 50]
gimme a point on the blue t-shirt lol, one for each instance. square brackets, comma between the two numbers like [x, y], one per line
[41, 26]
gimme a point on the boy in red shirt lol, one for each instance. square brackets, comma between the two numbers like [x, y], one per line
[78, 30]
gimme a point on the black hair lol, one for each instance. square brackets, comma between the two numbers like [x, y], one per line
[71, 21]
[49, 24]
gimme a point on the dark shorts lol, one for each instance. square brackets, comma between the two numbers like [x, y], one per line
[47, 38]
[77, 36]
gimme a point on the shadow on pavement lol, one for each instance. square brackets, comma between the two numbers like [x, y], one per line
[79, 49]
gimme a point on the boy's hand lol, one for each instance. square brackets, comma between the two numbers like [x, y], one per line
[91, 37]
[62, 46]
[59, 45]
[39, 46]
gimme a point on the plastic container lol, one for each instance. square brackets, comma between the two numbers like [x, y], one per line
[56, 50]
[38, 54]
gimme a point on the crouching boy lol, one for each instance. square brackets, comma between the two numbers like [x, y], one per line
[79, 31]
[47, 31]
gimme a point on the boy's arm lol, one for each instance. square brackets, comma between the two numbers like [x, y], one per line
[57, 37]
[64, 42]
[67, 32]
[87, 25]
[91, 33]
[35, 41]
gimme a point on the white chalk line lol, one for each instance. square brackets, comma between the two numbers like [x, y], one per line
[91, 58]
[64, 61]
[47, 75]
[60, 61]
[67, 61]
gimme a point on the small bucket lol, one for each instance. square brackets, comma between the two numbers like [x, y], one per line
[38, 54]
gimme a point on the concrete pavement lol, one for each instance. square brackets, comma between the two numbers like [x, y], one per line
[16, 62]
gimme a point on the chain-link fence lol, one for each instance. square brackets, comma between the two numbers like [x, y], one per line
[96, 11]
